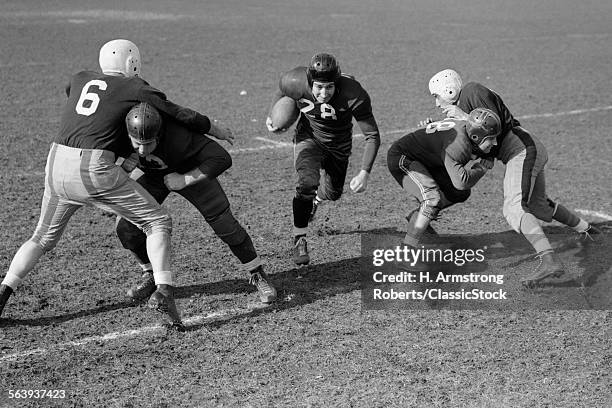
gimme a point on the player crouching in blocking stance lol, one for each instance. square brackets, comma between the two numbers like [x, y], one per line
[525, 198]
[435, 165]
[82, 168]
[173, 158]
[328, 101]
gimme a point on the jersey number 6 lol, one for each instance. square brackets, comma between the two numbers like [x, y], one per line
[93, 98]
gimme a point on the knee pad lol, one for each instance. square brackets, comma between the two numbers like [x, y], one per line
[430, 207]
[228, 228]
[45, 242]
[306, 193]
[161, 223]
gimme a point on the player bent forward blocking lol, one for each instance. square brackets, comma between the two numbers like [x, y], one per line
[328, 101]
[173, 158]
[524, 155]
[436, 165]
[82, 168]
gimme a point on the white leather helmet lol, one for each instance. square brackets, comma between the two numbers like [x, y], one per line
[120, 57]
[446, 84]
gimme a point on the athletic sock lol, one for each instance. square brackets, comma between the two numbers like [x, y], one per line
[301, 212]
[532, 231]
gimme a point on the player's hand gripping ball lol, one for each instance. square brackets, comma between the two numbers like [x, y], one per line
[283, 114]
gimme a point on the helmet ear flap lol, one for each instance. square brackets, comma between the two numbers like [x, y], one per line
[132, 66]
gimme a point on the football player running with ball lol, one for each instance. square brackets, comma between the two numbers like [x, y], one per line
[328, 101]
[82, 168]
[436, 165]
[174, 158]
[525, 198]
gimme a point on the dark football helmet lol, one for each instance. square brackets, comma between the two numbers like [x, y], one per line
[143, 123]
[324, 68]
[481, 124]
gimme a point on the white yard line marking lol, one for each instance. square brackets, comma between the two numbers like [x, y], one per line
[199, 319]
[273, 144]
[598, 214]
[536, 115]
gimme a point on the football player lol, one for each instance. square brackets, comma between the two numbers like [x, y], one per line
[328, 101]
[83, 168]
[174, 158]
[436, 165]
[525, 198]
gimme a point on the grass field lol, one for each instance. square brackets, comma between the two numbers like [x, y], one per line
[70, 327]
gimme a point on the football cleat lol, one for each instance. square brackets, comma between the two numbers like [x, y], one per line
[549, 266]
[259, 279]
[144, 289]
[300, 251]
[165, 304]
[592, 234]
[5, 294]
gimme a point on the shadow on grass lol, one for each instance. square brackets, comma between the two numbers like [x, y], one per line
[594, 258]
[305, 285]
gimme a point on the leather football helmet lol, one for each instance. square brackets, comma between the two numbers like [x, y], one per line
[143, 123]
[323, 68]
[120, 57]
[482, 123]
[446, 84]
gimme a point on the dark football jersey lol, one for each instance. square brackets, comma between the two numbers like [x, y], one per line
[474, 95]
[331, 123]
[94, 115]
[441, 145]
[180, 150]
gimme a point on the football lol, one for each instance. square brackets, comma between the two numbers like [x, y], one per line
[284, 113]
